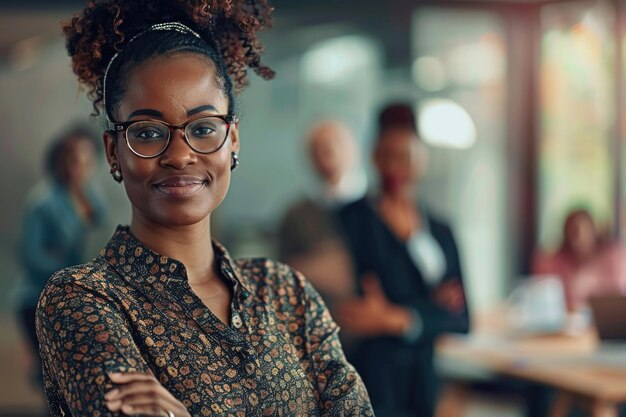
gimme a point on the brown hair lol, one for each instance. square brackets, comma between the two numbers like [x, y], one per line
[228, 30]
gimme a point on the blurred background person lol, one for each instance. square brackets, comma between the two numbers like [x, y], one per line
[409, 272]
[309, 236]
[587, 263]
[59, 214]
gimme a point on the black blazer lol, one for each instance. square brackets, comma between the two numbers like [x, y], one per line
[376, 249]
[400, 375]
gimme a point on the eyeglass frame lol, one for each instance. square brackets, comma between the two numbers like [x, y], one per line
[229, 119]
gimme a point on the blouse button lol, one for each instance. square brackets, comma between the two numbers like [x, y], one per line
[237, 320]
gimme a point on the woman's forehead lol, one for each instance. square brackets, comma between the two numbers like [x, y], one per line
[173, 84]
[398, 137]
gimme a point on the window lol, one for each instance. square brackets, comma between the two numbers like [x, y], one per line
[459, 69]
[577, 116]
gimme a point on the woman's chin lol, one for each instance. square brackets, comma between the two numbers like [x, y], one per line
[166, 211]
[182, 217]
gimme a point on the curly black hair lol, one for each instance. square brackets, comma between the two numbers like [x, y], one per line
[228, 30]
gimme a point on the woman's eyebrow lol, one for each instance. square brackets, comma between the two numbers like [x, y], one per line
[200, 109]
[145, 112]
[156, 113]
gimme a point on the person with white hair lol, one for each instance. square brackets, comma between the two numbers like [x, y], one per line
[309, 236]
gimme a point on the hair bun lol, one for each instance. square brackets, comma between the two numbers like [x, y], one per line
[96, 34]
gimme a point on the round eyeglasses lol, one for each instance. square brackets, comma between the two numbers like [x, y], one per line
[150, 138]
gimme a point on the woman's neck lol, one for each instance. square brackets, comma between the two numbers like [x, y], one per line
[190, 244]
[404, 195]
[399, 212]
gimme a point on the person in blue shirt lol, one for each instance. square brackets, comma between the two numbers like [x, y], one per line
[59, 213]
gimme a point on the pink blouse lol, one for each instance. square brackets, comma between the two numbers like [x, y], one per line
[603, 274]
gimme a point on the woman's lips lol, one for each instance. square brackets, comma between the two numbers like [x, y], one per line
[182, 186]
[393, 183]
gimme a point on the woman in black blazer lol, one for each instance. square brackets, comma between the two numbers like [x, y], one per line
[410, 277]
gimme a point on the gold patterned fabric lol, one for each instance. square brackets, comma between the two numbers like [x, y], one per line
[131, 309]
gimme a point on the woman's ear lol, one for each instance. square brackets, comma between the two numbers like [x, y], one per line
[234, 137]
[110, 146]
[420, 160]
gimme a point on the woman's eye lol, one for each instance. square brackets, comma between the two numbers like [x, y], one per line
[149, 134]
[203, 131]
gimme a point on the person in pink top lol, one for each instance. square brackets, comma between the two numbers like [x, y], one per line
[587, 264]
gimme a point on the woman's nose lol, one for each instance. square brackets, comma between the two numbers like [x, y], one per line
[178, 153]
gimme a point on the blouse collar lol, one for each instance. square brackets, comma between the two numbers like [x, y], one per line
[133, 259]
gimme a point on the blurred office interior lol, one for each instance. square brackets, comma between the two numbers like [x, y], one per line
[520, 103]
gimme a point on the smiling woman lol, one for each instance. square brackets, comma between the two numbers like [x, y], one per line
[175, 176]
[164, 322]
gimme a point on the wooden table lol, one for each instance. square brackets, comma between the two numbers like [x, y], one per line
[582, 372]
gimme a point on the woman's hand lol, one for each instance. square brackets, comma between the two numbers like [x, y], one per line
[373, 314]
[141, 394]
[450, 295]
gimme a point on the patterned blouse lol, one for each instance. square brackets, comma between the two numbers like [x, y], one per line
[131, 309]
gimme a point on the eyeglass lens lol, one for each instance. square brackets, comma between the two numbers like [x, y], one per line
[149, 138]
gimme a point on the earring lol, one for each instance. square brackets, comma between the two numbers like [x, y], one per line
[116, 173]
[235, 161]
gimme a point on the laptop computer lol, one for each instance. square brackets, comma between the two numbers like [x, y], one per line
[609, 316]
[537, 307]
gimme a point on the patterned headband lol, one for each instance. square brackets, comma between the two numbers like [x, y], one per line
[169, 26]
